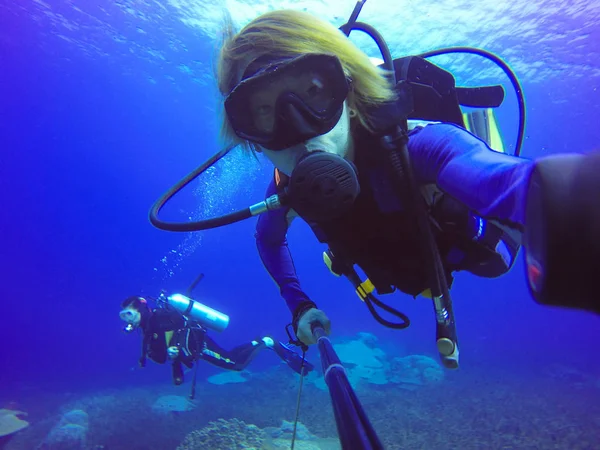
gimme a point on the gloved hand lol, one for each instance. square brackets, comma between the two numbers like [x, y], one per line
[173, 352]
[312, 315]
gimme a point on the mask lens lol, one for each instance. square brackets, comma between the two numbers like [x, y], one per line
[312, 87]
[126, 316]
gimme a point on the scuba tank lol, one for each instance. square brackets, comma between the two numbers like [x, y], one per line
[196, 311]
[193, 310]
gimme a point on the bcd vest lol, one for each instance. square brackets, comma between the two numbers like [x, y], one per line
[380, 236]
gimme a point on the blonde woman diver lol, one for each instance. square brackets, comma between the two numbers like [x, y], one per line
[296, 89]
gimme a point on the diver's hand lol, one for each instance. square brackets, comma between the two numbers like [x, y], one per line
[173, 352]
[307, 319]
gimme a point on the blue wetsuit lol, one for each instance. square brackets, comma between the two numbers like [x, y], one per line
[492, 184]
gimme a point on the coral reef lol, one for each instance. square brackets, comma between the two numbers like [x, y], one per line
[75, 417]
[277, 444]
[286, 430]
[225, 435]
[281, 438]
[235, 434]
[361, 352]
[366, 364]
[415, 370]
[363, 361]
[70, 433]
[10, 422]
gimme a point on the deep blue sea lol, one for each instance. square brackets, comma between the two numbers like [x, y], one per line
[104, 105]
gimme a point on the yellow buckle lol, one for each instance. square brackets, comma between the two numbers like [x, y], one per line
[427, 293]
[364, 289]
[329, 263]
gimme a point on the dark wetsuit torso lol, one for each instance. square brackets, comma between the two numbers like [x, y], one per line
[491, 184]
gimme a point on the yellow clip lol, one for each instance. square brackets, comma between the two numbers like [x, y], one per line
[482, 123]
[364, 289]
[329, 263]
[427, 293]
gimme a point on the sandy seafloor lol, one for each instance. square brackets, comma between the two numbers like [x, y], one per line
[474, 408]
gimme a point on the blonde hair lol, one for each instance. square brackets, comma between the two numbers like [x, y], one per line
[289, 33]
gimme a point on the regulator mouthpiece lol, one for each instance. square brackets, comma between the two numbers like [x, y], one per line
[323, 186]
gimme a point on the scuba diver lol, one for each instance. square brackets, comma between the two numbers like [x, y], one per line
[388, 171]
[176, 330]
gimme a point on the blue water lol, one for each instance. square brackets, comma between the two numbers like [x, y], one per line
[104, 105]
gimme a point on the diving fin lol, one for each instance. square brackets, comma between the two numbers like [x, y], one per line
[296, 362]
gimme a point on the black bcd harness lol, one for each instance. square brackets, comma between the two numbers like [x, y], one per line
[378, 234]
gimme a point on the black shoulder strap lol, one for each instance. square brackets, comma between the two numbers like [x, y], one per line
[434, 93]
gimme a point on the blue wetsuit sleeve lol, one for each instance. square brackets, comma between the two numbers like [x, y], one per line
[492, 184]
[272, 245]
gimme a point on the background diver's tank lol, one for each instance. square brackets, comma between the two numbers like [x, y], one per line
[197, 312]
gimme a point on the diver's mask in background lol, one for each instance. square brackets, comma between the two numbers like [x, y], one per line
[289, 106]
[132, 318]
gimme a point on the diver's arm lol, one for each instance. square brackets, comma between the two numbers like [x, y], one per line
[491, 183]
[271, 242]
[557, 196]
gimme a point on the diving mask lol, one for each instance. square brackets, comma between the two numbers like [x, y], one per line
[288, 102]
[132, 318]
